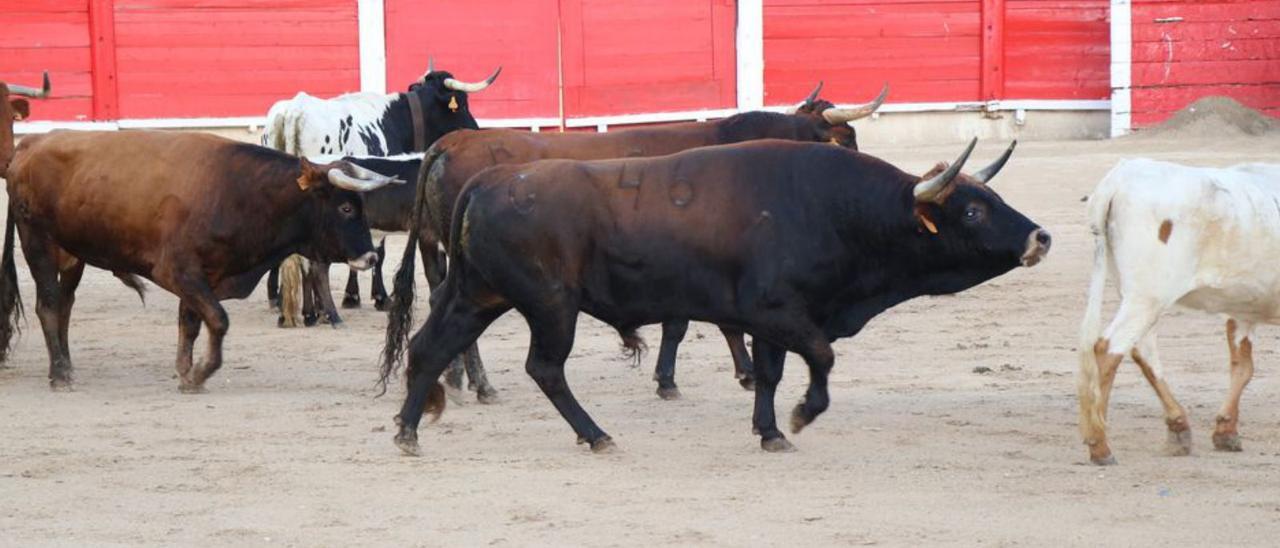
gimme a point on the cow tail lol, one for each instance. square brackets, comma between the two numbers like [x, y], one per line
[1089, 382]
[400, 310]
[291, 288]
[10, 298]
[633, 346]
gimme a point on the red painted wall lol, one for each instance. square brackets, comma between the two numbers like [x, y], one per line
[1057, 49]
[927, 51]
[213, 58]
[1216, 48]
[49, 35]
[620, 56]
[932, 51]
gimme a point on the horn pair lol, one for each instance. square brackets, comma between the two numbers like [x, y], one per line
[458, 85]
[929, 190]
[25, 91]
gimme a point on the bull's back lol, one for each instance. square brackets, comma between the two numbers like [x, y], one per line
[1206, 236]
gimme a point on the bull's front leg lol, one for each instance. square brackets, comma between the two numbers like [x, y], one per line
[769, 359]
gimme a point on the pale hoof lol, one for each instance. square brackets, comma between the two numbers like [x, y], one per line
[455, 394]
[1109, 460]
[487, 397]
[1178, 444]
[188, 388]
[777, 445]
[798, 420]
[603, 446]
[408, 445]
[669, 394]
[1228, 442]
[61, 385]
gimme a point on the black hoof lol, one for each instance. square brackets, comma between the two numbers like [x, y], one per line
[748, 384]
[350, 302]
[408, 444]
[381, 304]
[309, 320]
[487, 397]
[777, 445]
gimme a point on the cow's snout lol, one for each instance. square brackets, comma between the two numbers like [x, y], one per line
[1038, 243]
[364, 262]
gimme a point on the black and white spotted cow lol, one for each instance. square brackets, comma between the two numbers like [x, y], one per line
[365, 124]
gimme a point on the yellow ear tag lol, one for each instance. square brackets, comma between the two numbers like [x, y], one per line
[928, 225]
[453, 103]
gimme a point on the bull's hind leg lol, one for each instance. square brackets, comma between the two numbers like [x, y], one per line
[273, 287]
[1134, 318]
[42, 258]
[454, 323]
[742, 369]
[1226, 437]
[1147, 356]
[665, 372]
[477, 379]
[769, 359]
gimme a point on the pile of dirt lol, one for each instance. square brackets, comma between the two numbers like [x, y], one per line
[1214, 116]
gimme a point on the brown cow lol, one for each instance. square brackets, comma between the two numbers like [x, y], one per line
[457, 156]
[201, 216]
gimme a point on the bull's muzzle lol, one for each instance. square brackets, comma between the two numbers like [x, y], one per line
[1038, 243]
[364, 262]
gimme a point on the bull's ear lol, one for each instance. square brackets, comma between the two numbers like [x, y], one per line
[313, 176]
[21, 109]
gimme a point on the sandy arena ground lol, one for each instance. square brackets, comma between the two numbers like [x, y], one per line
[290, 446]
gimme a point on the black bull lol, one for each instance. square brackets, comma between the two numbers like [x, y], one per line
[796, 244]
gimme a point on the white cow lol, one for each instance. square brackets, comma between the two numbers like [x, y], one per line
[1203, 238]
[361, 124]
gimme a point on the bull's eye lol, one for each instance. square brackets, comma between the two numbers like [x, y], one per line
[346, 209]
[972, 214]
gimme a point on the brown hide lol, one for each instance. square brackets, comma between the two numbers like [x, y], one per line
[158, 203]
[462, 154]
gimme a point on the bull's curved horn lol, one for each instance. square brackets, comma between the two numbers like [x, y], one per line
[985, 174]
[431, 64]
[836, 116]
[928, 190]
[470, 87]
[808, 100]
[32, 92]
[361, 179]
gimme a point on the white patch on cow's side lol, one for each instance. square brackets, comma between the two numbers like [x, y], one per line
[331, 158]
[307, 126]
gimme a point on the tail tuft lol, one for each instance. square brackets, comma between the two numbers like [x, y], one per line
[633, 346]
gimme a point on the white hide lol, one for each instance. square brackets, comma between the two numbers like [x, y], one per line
[299, 126]
[1220, 257]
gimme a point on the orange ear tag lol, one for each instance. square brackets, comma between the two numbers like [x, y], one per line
[453, 103]
[928, 225]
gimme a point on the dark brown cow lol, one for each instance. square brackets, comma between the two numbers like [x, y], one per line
[458, 156]
[14, 108]
[797, 244]
[201, 216]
